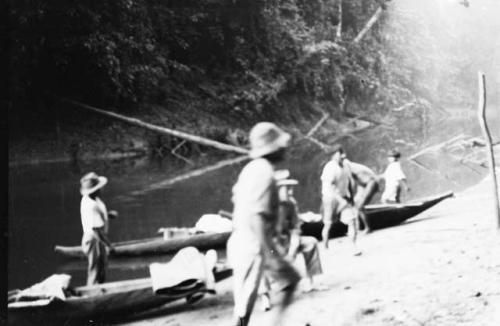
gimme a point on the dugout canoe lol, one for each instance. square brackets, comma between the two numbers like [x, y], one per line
[114, 299]
[155, 246]
[380, 215]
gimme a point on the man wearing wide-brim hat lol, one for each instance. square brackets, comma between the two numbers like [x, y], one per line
[250, 248]
[94, 216]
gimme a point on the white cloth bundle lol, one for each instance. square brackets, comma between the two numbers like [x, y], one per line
[214, 223]
[188, 272]
[310, 217]
[44, 292]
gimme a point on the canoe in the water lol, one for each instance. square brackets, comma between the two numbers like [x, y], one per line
[155, 246]
[380, 215]
[115, 299]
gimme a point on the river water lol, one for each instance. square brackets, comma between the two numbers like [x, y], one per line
[44, 199]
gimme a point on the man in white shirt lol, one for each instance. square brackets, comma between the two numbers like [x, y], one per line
[337, 196]
[251, 249]
[395, 179]
[94, 216]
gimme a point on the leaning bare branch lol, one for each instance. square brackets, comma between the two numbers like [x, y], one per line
[320, 144]
[180, 134]
[174, 152]
[311, 132]
[369, 25]
[404, 107]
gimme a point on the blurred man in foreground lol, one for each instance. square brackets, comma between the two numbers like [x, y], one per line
[250, 248]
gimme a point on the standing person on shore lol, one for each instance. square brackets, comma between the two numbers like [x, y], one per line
[94, 216]
[250, 248]
[366, 187]
[394, 178]
[337, 196]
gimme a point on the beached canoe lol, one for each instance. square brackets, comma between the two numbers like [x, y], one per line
[114, 299]
[155, 246]
[380, 215]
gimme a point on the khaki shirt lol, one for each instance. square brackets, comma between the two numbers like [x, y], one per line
[254, 194]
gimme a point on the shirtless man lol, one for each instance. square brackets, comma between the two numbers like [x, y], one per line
[337, 195]
[367, 186]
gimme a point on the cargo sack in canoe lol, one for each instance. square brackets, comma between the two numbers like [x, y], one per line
[214, 223]
[52, 288]
[188, 272]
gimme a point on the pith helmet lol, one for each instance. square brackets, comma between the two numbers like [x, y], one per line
[267, 138]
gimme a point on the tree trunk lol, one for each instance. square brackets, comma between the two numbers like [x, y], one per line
[487, 136]
[338, 37]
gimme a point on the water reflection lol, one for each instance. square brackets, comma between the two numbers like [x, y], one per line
[44, 199]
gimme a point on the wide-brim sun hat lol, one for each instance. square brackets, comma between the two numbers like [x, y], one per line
[266, 138]
[91, 182]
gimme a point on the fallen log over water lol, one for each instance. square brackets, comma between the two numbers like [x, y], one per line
[171, 132]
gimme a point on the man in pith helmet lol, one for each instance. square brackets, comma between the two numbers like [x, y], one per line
[250, 248]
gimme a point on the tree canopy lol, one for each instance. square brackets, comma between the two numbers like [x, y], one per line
[240, 56]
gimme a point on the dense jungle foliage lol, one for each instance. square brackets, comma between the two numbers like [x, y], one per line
[226, 57]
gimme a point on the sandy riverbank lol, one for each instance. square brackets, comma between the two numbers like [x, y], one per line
[441, 268]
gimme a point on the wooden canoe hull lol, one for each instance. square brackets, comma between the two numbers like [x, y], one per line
[380, 215]
[113, 299]
[155, 246]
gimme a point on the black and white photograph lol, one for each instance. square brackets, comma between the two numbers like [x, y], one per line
[252, 162]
